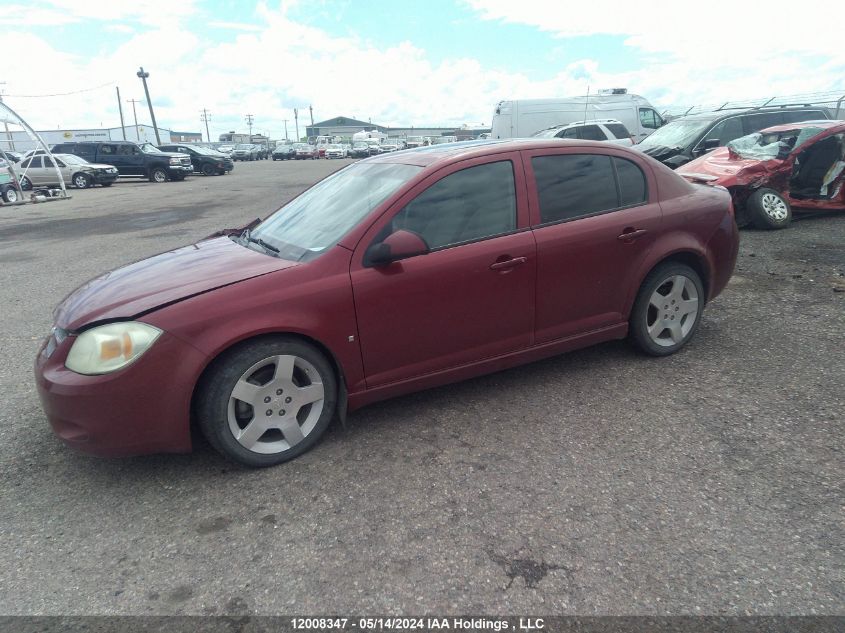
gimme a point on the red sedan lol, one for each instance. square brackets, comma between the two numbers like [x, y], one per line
[799, 165]
[398, 273]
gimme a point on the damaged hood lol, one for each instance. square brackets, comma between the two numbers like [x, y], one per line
[163, 279]
[670, 156]
[729, 169]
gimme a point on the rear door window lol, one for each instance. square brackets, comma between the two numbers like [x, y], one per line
[618, 130]
[574, 185]
[793, 116]
[757, 122]
[592, 133]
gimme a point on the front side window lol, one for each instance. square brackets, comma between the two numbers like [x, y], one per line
[571, 186]
[108, 149]
[648, 118]
[316, 220]
[465, 206]
[726, 131]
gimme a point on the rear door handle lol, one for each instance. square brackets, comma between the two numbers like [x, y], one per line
[631, 234]
[508, 263]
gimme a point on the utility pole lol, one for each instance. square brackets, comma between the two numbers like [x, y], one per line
[120, 107]
[296, 119]
[143, 76]
[249, 119]
[5, 124]
[286, 129]
[204, 117]
[135, 114]
[311, 110]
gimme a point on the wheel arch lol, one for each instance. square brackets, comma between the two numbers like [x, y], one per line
[695, 260]
[231, 345]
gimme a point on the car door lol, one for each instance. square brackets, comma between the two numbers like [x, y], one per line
[595, 216]
[471, 296]
[132, 158]
[33, 168]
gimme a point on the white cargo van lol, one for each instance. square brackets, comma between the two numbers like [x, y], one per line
[522, 118]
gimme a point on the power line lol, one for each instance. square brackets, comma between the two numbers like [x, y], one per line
[62, 94]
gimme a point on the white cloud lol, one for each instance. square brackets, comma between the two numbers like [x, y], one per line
[270, 65]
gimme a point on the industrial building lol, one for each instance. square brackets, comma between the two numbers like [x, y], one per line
[346, 126]
[20, 141]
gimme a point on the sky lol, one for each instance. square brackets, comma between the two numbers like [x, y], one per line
[399, 62]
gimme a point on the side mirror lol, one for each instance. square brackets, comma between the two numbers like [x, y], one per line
[398, 245]
[711, 143]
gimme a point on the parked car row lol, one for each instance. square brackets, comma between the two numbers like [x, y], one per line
[250, 151]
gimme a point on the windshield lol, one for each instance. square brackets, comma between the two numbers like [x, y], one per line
[72, 159]
[315, 221]
[301, 146]
[676, 133]
[243, 146]
[150, 149]
[766, 146]
[359, 145]
[333, 146]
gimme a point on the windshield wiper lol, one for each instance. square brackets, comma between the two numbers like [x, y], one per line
[247, 236]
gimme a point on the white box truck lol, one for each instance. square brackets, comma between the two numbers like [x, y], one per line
[522, 118]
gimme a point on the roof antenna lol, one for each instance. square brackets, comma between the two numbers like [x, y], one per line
[586, 101]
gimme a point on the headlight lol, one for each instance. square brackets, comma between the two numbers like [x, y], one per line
[175, 161]
[107, 348]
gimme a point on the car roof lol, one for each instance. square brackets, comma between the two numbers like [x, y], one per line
[824, 124]
[448, 152]
[716, 114]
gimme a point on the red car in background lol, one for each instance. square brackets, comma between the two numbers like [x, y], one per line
[768, 173]
[398, 273]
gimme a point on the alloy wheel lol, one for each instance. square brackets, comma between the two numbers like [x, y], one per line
[774, 206]
[275, 404]
[672, 311]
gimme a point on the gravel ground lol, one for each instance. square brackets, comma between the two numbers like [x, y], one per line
[599, 482]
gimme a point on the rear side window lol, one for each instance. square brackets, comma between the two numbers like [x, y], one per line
[574, 185]
[632, 184]
[571, 186]
[465, 206]
[618, 130]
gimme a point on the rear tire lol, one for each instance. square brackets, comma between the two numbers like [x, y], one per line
[11, 195]
[667, 310]
[267, 401]
[208, 170]
[768, 209]
[26, 183]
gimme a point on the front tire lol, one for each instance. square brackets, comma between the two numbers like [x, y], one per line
[769, 210]
[157, 174]
[667, 310]
[82, 181]
[267, 401]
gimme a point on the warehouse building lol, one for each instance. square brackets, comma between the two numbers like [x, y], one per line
[20, 141]
[345, 127]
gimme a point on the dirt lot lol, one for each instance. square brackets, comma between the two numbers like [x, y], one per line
[600, 482]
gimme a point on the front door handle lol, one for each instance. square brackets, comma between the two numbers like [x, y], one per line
[630, 234]
[508, 263]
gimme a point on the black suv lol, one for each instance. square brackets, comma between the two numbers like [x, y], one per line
[688, 137]
[132, 159]
[205, 161]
